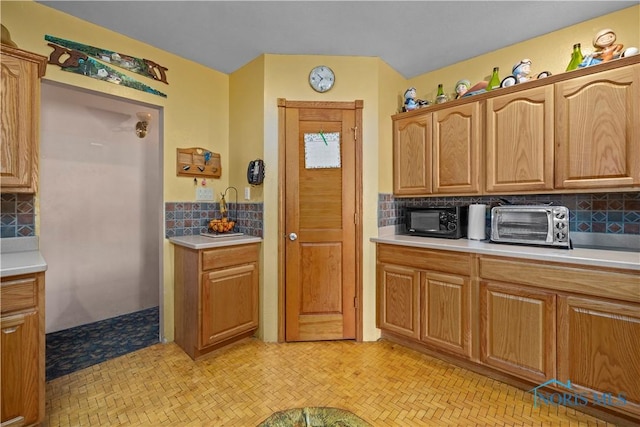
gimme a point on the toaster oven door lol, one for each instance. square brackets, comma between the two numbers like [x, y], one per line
[529, 226]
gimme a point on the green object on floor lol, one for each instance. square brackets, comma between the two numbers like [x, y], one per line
[317, 417]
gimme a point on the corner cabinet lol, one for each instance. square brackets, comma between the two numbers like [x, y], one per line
[22, 358]
[216, 296]
[20, 118]
[598, 130]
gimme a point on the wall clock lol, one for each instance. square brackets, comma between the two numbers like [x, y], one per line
[321, 78]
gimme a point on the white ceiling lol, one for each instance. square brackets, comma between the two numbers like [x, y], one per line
[413, 37]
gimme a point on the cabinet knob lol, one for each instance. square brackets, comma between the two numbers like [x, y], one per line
[293, 236]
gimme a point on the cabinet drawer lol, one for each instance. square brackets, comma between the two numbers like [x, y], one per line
[224, 257]
[18, 294]
[563, 277]
[425, 259]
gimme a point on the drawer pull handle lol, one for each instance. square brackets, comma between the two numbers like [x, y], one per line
[9, 330]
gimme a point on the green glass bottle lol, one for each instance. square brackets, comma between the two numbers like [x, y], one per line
[576, 58]
[494, 82]
[440, 96]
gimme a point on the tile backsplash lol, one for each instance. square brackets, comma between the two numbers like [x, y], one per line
[192, 218]
[616, 213]
[17, 215]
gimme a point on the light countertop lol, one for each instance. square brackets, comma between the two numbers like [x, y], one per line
[591, 257]
[20, 255]
[205, 242]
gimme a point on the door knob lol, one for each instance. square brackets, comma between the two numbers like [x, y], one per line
[293, 236]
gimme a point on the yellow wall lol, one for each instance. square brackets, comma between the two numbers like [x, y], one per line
[550, 52]
[236, 115]
[392, 87]
[286, 76]
[196, 110]
[246, 125]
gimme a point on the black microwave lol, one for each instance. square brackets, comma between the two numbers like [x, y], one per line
[449, 222]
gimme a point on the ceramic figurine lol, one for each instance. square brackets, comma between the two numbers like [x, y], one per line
[606, 48]
[476, 89]
[410, 102]
[462, 86]
[604, 43]
[522, 70]
[520, 74]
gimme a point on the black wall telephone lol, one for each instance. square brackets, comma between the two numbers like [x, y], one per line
[255, 172]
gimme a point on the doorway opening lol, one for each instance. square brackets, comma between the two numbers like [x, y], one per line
[101, 225]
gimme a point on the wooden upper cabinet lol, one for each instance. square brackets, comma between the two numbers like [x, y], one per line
[456, 149]
[519, 141]
[20, 118]
[598, 130]
[412, 155]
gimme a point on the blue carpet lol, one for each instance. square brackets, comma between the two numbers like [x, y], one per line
[77, 348]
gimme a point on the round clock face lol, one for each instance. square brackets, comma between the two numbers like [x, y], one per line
[321, 78]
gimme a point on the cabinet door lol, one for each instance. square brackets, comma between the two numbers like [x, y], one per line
[412, 156]
[517, 330]
[20, 116]
[398, 300]
[456, 149]
[229, 303]
[519, 141]
[599, 349]
[445, 312]
[598, 129]
[20, 388]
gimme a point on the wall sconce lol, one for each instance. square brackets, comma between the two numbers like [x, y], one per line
[143, 125]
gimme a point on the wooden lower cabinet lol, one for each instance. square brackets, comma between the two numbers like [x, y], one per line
[599, 350]
[522, 321]
[398, 300]
[229, 302]
[425, 296]
[445, 304]
[22, 341]
[216, 296]
[518, 330]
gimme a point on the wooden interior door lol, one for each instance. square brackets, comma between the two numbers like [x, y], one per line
[321, 214]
